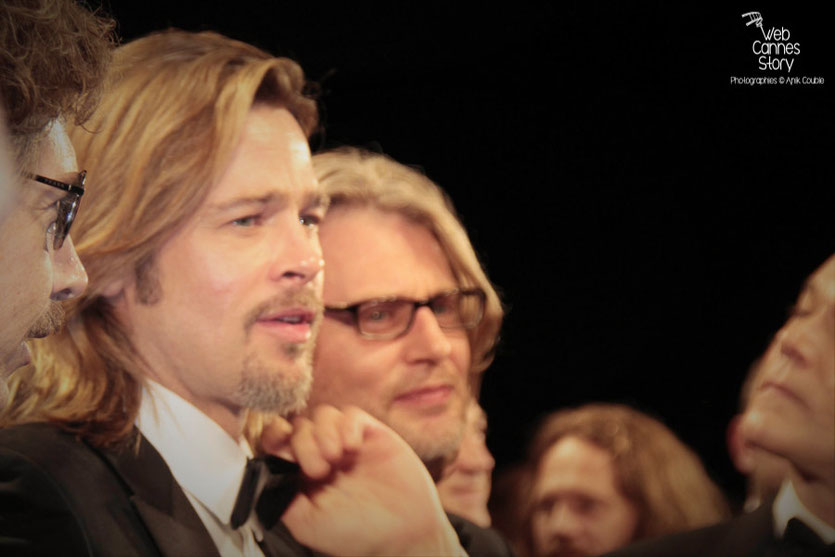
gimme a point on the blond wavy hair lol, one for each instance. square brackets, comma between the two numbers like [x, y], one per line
[160, 139]
[654, 470]
[355, 177]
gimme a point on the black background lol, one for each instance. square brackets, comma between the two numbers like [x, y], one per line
[647, 222]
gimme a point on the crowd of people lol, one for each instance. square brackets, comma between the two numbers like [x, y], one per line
[181, 376]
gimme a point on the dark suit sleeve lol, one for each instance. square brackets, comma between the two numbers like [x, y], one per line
[748, 535]
[35, 518]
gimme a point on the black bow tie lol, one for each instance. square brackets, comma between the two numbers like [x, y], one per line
[269, 485]
[800, 541]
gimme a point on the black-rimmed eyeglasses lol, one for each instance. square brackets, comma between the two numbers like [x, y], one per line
[389, 318]
[67, 207]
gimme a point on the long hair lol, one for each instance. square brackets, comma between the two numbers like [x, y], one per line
[160, 139]
[654, 470]
[352, 176]
[53, 59]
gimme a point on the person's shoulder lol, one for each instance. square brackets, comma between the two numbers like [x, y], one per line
[45, 446]
[44, 475]
[737, 536]
[478, 541]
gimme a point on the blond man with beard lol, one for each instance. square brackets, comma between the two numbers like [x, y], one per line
[201, 243]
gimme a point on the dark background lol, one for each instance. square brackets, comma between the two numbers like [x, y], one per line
[647, 222]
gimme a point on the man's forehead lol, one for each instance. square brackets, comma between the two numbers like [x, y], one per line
[572, 464]
[270, 163]
[371, 253]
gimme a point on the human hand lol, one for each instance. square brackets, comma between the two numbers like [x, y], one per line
[365, 491]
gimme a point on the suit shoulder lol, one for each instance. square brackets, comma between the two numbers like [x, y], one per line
[742, 535]
[37, 515]
[48, 448]
[478, 541]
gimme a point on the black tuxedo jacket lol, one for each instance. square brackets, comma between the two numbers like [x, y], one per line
[61, 497]
[748, 535]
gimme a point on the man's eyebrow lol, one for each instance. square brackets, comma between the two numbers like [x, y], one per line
[316, 200]
[48, 196]
[245, 201]
[313, 200]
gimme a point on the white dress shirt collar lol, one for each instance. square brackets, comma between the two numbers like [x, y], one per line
[787, 505]
[205, 461]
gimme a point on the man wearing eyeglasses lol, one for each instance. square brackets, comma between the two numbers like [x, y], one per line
[53, 56]
[410, 316]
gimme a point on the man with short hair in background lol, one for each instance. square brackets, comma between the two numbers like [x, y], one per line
[604, 475]
[790, 416]
[465, 483]
[764, 471]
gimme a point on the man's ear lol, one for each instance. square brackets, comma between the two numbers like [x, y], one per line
[740, 454]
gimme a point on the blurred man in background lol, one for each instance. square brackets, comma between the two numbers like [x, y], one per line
[791, 417]
[605, 475]
[465, 483]
[764, 471]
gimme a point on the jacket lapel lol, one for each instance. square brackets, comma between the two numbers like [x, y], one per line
[161, 503]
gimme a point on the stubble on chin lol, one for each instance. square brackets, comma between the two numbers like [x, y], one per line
[50, 322]
[431, 445]
[281, 388]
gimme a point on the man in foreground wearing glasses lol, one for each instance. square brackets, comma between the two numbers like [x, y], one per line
[411, 318]
[53, 54]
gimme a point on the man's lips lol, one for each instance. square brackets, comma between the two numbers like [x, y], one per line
[291, 325]
[477, 488]
[429, 395]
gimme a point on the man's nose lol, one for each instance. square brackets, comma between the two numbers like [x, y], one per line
[69, 277]
[474, 456]
[563, 523]
[427, 341]
[298, 255]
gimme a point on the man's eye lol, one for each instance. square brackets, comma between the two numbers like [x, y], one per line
[250, 220]
[798, 310]
[545, 505]
[442, 307]
[50, 235]
[377, 315]
[584, 505]
[310, 220]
